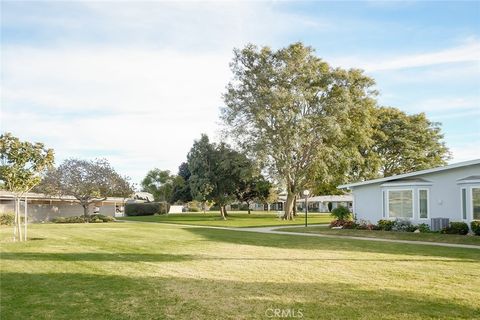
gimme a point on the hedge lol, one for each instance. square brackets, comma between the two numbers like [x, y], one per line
[146, 209]
[475, 227]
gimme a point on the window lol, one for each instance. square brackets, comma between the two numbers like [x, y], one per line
[400, 203]
[383, 205]
[423, 203]
[464, 204]
[476, 203]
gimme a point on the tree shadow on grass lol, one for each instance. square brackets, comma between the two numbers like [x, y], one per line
[93, 296]
[96, 256]
[161, 257]
[324, 243]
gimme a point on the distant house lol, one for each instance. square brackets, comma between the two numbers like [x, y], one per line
[451, 191]
[44, 208]
[315, 204]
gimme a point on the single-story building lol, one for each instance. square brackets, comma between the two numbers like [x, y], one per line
[320, 203]
[451, 191]
[41, 207]
[315, 204]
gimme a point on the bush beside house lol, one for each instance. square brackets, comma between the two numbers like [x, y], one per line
[146, 208]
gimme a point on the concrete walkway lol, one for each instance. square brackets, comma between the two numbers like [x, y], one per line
[277, 230]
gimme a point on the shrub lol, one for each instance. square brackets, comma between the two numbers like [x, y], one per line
[385, 225]
[456, 228]
[349, 225]
[403, 226]
[423, 227]
[366, 225]
[100, 217]
[475, 227]
[346, 224]
[193, 209]
[7, 219]
[143, 209]
[59, 220]
[341, 213]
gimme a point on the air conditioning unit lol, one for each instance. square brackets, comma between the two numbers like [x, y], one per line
[438, 224]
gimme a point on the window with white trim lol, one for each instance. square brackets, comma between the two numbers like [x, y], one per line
[400, 203]
[476, 203]
[464, 203]
[423, 203]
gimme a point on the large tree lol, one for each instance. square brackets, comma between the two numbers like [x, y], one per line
[289, 109]
[21, 166]
[181, 185]
[406, 143]
[159, 183]
[217, 172]
[87, 181]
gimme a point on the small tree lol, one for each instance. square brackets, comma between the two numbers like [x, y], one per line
[341, 213]
[216, 172]
[21, 166]
[87, 181]
[159, 183]
[254, 188]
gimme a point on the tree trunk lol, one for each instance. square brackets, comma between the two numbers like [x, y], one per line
[222, 212]
[19, 221]
[289, 206]
[85, 212]
[15, 219]
[295, 206]
[268, 207]
[225, 211]
[248, 207]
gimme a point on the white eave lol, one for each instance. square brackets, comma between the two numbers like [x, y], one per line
[411, 174]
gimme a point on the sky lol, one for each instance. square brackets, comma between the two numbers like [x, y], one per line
[137, 82]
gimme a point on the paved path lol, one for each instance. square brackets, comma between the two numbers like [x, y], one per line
[277, 230]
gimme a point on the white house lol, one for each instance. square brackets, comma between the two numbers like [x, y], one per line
[451, 191]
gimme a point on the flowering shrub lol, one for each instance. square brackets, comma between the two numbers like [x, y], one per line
[403, 226]
[346, 224]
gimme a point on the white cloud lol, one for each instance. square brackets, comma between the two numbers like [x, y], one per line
[469, 51]
[144, 107]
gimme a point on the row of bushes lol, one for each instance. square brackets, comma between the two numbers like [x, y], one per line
[406, 226]
[94, 218]
[146, 209]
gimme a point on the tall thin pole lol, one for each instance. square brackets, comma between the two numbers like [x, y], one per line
[15, 219]
[306, 211]
[19, 221]
[26, 220]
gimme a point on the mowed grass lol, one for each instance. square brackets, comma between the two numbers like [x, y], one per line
[234, 219]
[430, 237]
[159, 271]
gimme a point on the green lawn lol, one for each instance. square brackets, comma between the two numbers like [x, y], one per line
[431, 237]
[235, 219]
[158, 271]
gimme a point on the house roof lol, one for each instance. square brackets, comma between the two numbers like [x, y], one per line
[412, 174]
[333, 198]
[40, 196]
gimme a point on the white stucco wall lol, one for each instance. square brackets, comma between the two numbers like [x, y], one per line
[46, 212]
[444, 195]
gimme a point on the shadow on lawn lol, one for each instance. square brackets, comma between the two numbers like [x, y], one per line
[159, 257]
[314, 243]
[90, 296]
